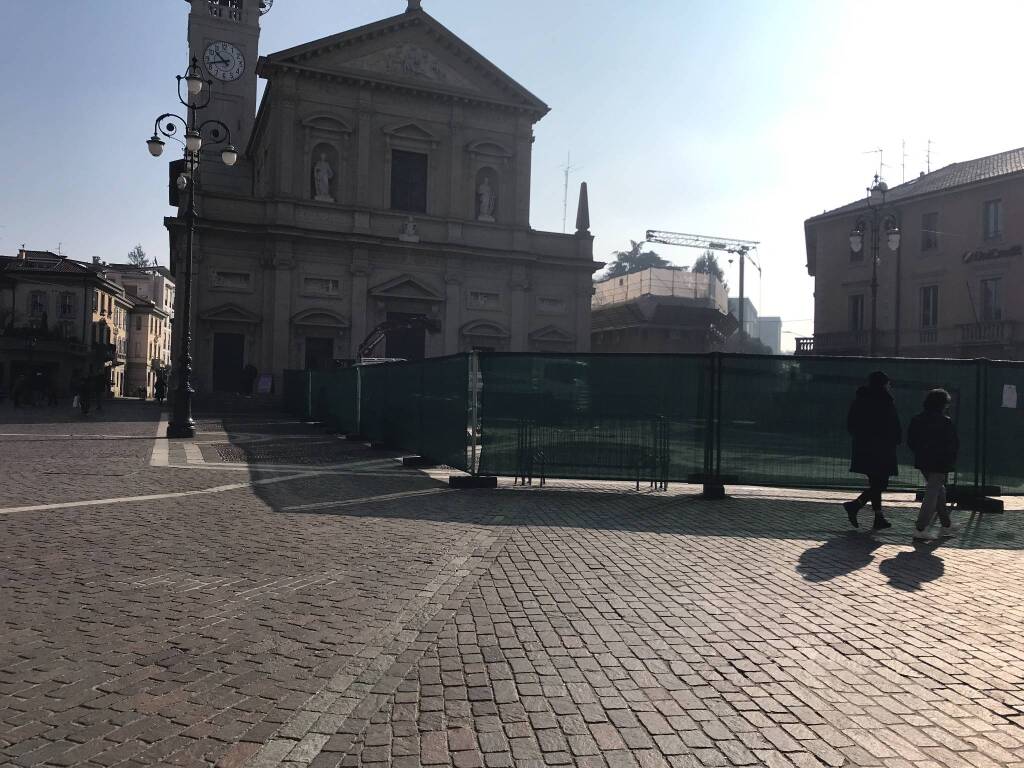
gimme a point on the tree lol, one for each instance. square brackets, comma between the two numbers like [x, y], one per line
[137, 257]
[707, 264]
[634, 260]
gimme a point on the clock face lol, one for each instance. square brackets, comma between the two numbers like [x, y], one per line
[224, 61]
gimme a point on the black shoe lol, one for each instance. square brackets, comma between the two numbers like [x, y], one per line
[880, 523]
[852, 508]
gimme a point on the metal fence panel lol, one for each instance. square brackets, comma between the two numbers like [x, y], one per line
[783, 419]
[295, 395]
[1003, 406]
[592, 416]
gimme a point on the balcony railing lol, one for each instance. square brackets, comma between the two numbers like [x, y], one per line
[843, 341]
[990, 332]
[928, 336]
[805, 345]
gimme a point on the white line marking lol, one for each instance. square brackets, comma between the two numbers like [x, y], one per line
[193, 455]
[366, 499]
[154, 496]
[161, 448]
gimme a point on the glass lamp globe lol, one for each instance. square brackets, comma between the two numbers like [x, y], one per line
[193, 141]
[894, 239]
[856, 241]
[194, 83]
[155, 145]
[229, 155]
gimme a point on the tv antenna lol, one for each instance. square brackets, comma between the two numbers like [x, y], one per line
[881, 165]
[928, 157]
[566, 170]
[904, 144]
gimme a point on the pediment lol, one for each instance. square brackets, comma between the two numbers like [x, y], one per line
[326, 124]
[410, 131]
[411, 50]
[488, 148]
[322, 318]
[405, 287]
[552, 333]
[485, 328]
[230, 313]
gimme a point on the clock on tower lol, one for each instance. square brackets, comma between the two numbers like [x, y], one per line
[224, 36]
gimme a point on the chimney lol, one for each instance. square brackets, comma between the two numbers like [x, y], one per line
[22, 254]
[96, 260]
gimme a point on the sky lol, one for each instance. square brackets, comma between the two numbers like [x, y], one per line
[731, 118]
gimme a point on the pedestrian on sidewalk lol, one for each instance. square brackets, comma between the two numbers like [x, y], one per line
[875, 428]
[932, 437]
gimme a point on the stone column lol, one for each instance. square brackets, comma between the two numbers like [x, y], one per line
[452, 312]
[455, 189]
[286, 149]
[519, 313]
[283, 264]
[363, 151]
[522, 160]
[359, 269]
[584, 292]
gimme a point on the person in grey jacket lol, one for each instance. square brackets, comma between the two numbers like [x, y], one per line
[933, 439]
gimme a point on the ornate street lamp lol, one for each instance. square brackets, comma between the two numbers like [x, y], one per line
[876, 204]
[168, 125]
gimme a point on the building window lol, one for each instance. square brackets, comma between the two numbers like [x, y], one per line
[993, 219]
[37, 303]
[856, 306]
[550, 305]
[929, 231]
[238, 281]
[322, 286]
[138, 322]
[95, 301]
[930, 306]
[992, 299]
[408, 181]
[67, 304]
[484, 300]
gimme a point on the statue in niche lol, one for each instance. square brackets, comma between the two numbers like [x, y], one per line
[322, 175]
[486, 200]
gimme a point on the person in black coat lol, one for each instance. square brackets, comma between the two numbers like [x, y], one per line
[874, 425]
[934, 441]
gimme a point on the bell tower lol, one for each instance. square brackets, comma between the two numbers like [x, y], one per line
[223, 35]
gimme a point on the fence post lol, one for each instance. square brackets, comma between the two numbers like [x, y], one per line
[713, 488]
[359, 400]
[979, 407]
[474, 415]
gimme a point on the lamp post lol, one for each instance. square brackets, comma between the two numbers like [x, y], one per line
[168, 125]
[880, 219]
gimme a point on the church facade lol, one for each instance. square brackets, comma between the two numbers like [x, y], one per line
[385, 173]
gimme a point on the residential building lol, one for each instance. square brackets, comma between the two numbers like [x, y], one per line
[386, 173]
[59, 319]
[151, 293]
[952, 287]
[767, 330]
[660, 309]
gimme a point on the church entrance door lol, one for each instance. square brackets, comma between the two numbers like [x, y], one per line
[406, 343]
[228, 359]
[319, 353]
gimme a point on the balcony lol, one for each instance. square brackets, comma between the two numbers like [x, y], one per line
[843, 342]
[927, 336]
[990, 332]
[805, 345]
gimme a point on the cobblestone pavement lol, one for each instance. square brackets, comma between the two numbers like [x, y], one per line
[271, 595]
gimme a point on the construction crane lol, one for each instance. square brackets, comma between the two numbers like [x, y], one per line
[378, 334]
[741, 248]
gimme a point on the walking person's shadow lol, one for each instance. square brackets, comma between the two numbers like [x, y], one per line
[839, 555]
[909, 570]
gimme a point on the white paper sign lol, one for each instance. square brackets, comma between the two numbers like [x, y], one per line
[1009, 396]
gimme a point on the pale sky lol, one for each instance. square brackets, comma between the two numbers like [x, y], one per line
[728, 118]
